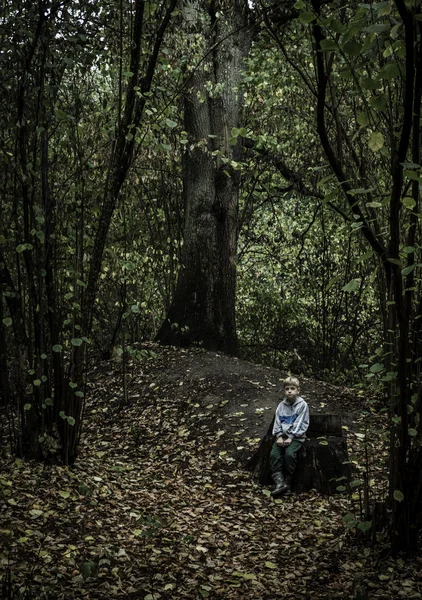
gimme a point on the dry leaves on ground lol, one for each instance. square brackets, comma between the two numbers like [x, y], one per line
[158, 507]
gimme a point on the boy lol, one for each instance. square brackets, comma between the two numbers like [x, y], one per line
[290, 424]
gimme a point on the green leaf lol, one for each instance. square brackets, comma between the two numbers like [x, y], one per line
[337, 26]
[412, 432]
[306, 16]
[353, 48]
[71, 420]
[364, 526]
[7, 321]
[376, 28]
[79, 394]
[398, 495]
[328, 46]
[410, 165]
[270, 565]
[37, 382]
[352, 286]
[348, 517]
[76, 342]
[408, 202]
[363, 119]
[376, 141]
[377, 368]
[27, 406]
[383, 8]
[341, 488]
[408, 270]
[389, 376]
[411, 174]
[389, 71]
[64, 494]
[346, 73]
[57, 348]
[170, 123]
[356, 191]
[379, 102]
[60, 114]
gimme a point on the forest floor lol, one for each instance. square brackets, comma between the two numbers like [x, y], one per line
[159, 504]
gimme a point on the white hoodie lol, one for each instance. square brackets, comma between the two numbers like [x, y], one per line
[291, 420]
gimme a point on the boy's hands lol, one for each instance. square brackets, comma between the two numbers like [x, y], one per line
[283, 442]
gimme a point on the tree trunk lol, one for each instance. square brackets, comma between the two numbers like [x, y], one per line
[203, 307]
[4, 383]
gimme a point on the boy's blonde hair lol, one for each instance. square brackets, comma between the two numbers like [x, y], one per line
[291, 381]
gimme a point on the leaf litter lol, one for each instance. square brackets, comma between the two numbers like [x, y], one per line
[159, 505]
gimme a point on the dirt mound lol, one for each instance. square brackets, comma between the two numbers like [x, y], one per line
[217, 393]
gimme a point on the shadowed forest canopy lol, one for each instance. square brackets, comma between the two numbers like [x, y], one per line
[234, 176]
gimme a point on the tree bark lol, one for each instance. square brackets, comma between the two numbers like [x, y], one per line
[203, 307]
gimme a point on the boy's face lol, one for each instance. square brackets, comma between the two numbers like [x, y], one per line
[291, 392]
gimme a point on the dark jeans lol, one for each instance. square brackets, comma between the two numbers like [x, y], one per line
[284, 459]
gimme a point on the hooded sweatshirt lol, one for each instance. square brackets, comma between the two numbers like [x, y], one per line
[291, 420]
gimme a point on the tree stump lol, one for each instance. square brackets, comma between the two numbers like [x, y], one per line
[322, 462]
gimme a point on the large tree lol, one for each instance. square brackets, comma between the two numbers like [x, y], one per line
[203, 307]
